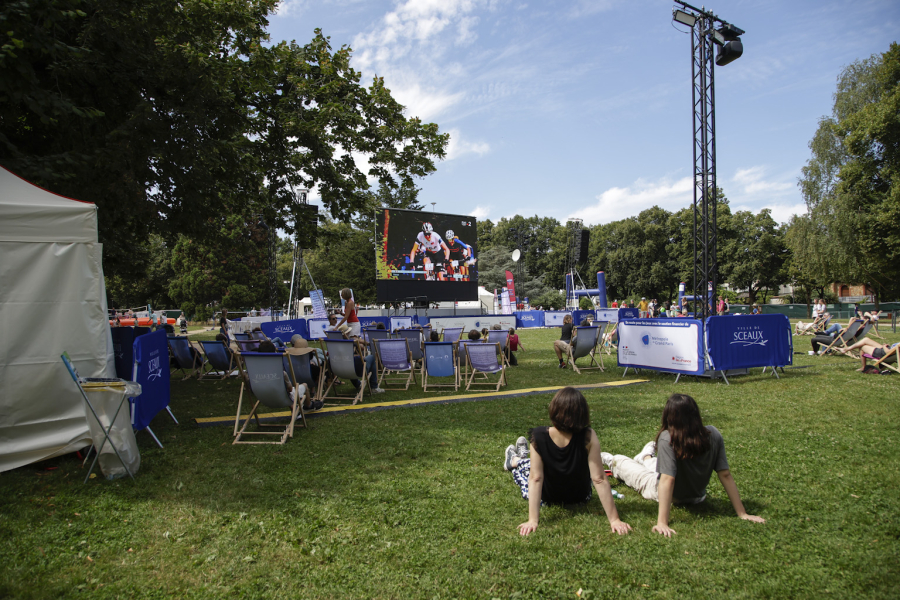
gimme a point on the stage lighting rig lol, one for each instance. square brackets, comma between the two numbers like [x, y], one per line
[707, 30]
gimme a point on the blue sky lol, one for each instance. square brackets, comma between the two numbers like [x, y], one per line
[583, 108]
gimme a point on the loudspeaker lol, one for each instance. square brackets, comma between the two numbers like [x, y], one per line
[582, 243]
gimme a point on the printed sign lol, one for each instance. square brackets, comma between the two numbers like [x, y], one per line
[744, 341]
[661, 344]
[401, 323]
[317, 328]
[554, 319]
[318, 303]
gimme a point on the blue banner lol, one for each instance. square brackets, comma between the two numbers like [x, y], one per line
[123, 341]
[151, 353]
[744, 341]
[285, 329]
[629, 313]
[529, 318]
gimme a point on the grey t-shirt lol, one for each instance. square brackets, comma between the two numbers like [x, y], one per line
[691, 476]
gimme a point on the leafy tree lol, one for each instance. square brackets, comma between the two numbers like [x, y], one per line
[850, 183]
[165, 112]
[155, 257]
[755, 254]
[485, 235]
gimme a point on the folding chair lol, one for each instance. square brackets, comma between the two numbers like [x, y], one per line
[220, 358]
[892, 355]
[585, 344]
[395, 357]
[334, 335]
[844, 338]
[463, 358]
[451, 334]
[248, 345]
[415, 339]
[241, 336]
[301, 363]
[187, 358]
[483, 359]
[258, 335]
[440, 361]
[610, 340]
[500, 337]
[342, 362]
[265, 380]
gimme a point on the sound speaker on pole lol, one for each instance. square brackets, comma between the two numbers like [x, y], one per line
[584, 241]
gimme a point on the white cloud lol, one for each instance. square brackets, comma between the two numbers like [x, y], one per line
[425, 103]
[584, 8]
[782, 212]
[619, 203]
[287, 8]
[458, 146]
[480, 212]
[752, 182]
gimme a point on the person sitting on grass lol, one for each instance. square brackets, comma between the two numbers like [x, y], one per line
[869, 347]
[686, 454]
[561, 346]
[564, 462]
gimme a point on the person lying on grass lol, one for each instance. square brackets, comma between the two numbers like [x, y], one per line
[686, 455]
[565, 460]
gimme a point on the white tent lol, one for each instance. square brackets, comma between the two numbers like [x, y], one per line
[52, 299]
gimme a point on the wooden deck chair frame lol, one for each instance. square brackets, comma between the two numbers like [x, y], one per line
[272, 389]
[177, 344]
[339, 366]
[606, 339]
[844, 338]
[438, 347]
[863, 332]
[213, 360]
[385, 379]
[301, 363]
[462, 359]
[578, 350]
[501, 368]
[892, 353]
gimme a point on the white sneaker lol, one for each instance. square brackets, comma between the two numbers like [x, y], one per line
[649, 449]
[522, 447]
[606, 458]
[377, 391]
[508, 456]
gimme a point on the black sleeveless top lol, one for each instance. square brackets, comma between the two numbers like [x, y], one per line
[567, 477]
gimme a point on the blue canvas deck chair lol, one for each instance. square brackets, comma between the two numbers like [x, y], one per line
[220, 358]
[334, 335]
[585, 344]
[258, 335]
[440, 361]
[301, 363]
[240, 336]
[484, 359]
[415, 340]
[344, 362]
[501, 337]
[265, 380]
[451, 334]
[187, 359]
[462, 358]
[395, 359]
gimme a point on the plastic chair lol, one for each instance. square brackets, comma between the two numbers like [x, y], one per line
[220, 358]
[483, 359]
[344, 361]
[585, 344]
[394, 357]
[265, 380]
[440, 361]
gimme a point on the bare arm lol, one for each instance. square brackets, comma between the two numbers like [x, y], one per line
[601, 484]
[535, 486]
[735, 497]
[348, 308]
[666, 492]
[412, 254]
[446, 251]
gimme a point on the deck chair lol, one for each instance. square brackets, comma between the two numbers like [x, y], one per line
[462, 359]
[344, 362]
[844, 338]
[220, 358]
[500, 337]
[483, 360]
[187, 358]
[451, 334]
[265, 380]
[415, 339]
[394, 359]
[334, 335]
[893, 355]
[258, 335]
[585, 344]
[440, 361]
[241, 336]
[610, 340]
[301, 363]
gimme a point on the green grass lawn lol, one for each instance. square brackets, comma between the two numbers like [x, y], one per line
[414, 503]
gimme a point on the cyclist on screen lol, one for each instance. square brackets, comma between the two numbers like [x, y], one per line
[430, 244]
[460, 256]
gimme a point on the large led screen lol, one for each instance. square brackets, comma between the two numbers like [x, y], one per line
[425, 256]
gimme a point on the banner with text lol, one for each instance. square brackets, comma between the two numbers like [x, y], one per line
[671, 345]
[744, 341]
[285, 329]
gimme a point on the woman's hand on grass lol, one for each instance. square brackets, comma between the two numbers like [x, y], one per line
[620, 527]
[753, 518]
[663, 530]
[527, 527]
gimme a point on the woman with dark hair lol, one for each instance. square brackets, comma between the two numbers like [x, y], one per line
[677, 466]
[565, 461]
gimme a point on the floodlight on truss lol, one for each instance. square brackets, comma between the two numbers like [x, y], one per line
[683, 17]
